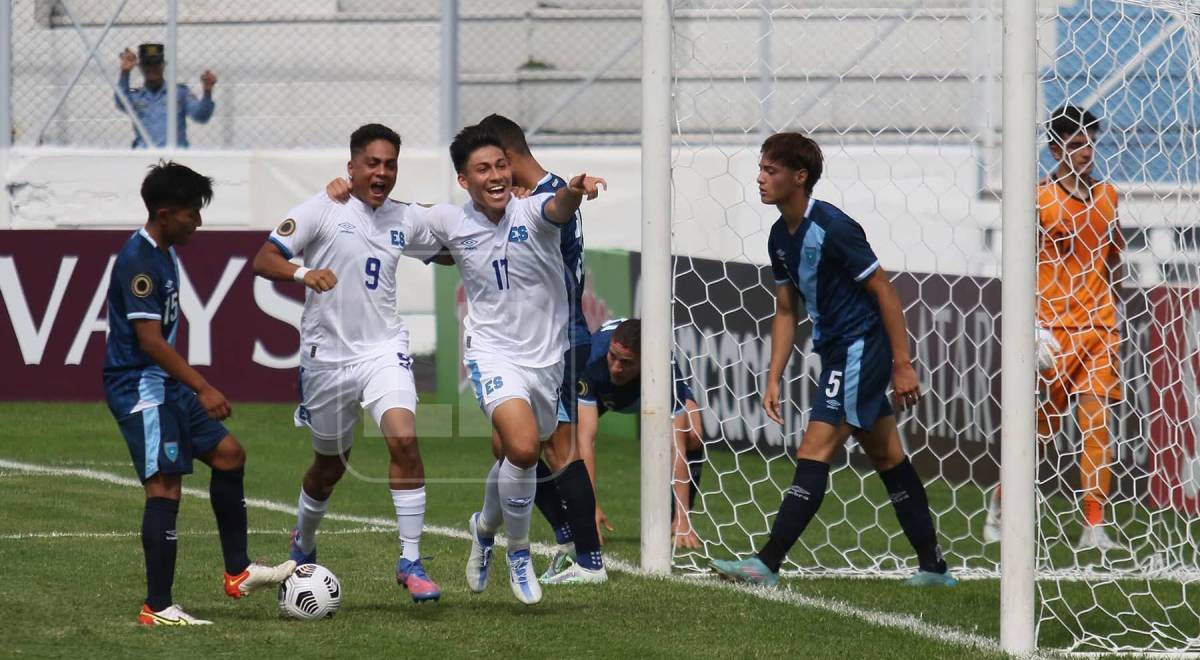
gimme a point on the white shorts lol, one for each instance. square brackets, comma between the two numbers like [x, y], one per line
[497, 380]
[330, 399]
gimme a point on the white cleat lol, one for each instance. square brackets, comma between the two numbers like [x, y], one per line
[1094, 537]
[171, 616]
[991, 527]
[480, 558]
[522, 578]
[257, 576]
[576, 574]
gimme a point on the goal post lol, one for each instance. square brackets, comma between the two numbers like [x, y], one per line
[1018, 375]
[657, 338]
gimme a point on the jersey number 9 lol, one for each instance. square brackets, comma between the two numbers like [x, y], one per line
[373, 267]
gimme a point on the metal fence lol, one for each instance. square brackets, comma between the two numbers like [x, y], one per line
[303, 73]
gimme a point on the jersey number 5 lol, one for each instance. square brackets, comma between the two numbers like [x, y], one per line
[835, 384]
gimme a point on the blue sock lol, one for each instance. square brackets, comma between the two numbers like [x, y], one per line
[159, 546]
[800, 504]
[228, 498]
[908, 497]
[575, 488]
[550, 503]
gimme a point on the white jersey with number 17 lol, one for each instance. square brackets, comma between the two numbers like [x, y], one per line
[357, 320]
[512, 271]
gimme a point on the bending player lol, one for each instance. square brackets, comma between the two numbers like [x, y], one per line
[1078, 268]
[168, 413]
[354, 347]
[820, 256]
[612, 382]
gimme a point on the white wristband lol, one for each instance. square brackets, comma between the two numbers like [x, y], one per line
[300, 273]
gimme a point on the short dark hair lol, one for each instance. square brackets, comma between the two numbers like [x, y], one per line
[468, 141]
[368, 133]
[1069, 120]
[170, 185]
[629, 334]
[511, 135]
[798, 152]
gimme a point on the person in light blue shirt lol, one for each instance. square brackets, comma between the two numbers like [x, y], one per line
[150, 100]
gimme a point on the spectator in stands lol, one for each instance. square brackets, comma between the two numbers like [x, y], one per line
[150, 101]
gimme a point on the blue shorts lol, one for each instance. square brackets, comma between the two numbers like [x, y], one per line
[575, 361]
[853, 386]
[163, 439]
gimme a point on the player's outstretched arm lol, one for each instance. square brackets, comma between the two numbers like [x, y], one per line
[271, 264]
[905, 385]
[682, 534]
[783, 335]
[562, 207]
[587, 422]
[152, 343]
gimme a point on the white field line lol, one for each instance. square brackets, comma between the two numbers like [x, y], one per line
[30, 536]
[906, 623]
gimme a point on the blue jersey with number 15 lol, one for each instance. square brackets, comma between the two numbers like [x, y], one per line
[144, 286]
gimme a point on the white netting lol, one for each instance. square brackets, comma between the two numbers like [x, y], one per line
[905, 103]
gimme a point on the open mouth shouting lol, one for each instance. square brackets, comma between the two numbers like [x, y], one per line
[496, 194]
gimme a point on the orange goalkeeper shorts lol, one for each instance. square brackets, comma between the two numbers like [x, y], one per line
[1089, 363]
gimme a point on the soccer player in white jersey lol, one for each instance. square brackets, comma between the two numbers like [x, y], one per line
[354, 347]
[507, 252]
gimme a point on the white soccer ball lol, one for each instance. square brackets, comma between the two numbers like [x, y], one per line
[312, 592]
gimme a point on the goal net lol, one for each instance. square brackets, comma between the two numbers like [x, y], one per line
[904, 99]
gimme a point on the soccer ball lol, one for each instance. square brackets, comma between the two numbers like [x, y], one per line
[312, 592]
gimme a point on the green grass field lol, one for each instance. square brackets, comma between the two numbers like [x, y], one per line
[72, 536]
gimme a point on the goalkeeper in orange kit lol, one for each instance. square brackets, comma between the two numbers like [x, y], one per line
[1079, 255]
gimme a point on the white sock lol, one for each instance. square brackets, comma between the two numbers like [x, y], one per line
[517, 488]
[410, 520]
[309, 513]
[491, 517]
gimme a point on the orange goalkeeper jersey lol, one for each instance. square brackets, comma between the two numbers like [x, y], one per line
[1078, 241]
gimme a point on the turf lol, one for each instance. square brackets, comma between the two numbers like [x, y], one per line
[80, 595]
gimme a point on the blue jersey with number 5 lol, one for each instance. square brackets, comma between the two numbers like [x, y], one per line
[827, 259]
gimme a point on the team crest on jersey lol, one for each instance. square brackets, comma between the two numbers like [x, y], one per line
[171, 449]
[811, 255]
[141, 285]
[398, 238]
[286, 228]
[518, 234]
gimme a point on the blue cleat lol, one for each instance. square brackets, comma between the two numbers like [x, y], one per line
[748, 571]
[297, 555]
[930, 579]
[411, 575]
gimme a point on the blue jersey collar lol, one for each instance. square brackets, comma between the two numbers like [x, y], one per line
[146, 235]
